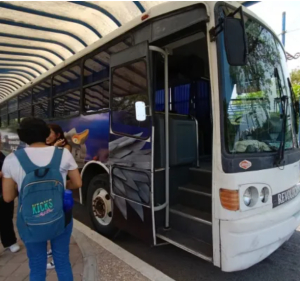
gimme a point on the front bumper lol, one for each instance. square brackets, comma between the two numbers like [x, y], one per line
[248, 241]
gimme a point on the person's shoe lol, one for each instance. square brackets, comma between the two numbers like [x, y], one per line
[50, 265]
[14, 248]
[49, 254]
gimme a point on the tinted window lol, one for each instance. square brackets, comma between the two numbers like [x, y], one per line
[3, 112]
[41, 92]
[13, 105]
[129, 85]
[97, 67]
[96, 97]
[67, 105]
[41, 110]
[13, 118]
[25, 112]
[25, 100]
[67, 80]
[3, 109]
[4, 122]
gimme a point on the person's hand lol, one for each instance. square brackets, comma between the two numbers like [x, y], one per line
[60, 143]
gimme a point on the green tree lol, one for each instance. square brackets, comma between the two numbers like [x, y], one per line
[295, 80]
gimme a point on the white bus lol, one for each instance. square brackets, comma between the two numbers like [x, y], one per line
[216, 171]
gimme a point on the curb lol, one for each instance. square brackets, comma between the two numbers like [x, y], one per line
[89, 265]
[90, 269]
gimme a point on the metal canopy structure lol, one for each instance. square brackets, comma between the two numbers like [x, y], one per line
[36, 36]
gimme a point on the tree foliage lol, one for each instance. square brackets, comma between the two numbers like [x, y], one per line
[295, 80]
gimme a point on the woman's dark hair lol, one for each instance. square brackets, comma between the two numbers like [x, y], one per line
[58, 131]
[33, 130]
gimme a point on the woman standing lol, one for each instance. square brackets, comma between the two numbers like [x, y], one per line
[57, 137]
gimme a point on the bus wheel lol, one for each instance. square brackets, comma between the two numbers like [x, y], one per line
[100, 205]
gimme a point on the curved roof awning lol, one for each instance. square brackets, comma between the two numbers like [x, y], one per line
[36, 36]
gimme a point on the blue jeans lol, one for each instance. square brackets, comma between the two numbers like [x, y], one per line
[37, 255]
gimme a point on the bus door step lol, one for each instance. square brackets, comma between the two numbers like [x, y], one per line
[187, 243]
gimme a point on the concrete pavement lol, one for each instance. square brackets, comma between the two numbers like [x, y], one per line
[93, 258]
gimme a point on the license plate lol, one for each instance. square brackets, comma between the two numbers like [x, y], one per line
[285, 196]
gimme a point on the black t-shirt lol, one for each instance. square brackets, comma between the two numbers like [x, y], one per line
[2, 157]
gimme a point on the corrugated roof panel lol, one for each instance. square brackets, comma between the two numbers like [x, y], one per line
[36, 36]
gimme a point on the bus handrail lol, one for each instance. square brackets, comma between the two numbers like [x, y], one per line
[197, 139]
[167, 160]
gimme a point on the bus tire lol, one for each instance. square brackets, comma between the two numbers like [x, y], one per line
[99, 205]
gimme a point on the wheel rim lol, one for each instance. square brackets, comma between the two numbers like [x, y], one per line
[102, 206]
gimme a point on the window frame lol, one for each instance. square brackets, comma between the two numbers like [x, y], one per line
[6, 103]
[12, 112]
[62, 95]
[149, 115]
[104, 110]
[80, 65]
[49, 98]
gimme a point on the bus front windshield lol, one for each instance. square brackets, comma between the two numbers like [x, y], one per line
[251, 95]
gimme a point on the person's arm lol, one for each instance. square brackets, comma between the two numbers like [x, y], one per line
[9, 186]
[75, 181]
[9, 190]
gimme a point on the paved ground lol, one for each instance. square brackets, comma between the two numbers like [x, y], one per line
[93, 258]
[14, 267]
[283, 265]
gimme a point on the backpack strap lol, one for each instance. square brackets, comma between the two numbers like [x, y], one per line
[56, 159]
[24, 160]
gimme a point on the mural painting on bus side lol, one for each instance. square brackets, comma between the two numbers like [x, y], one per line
[77, 142]
[128, 182]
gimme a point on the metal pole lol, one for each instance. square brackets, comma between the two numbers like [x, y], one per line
[283, 28]
[167, 139]
[167, 161]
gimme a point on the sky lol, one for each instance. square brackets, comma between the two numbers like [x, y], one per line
[271, 13]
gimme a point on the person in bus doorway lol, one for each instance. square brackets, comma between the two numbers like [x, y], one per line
[25, 170]
[58, 139]
[7, 233]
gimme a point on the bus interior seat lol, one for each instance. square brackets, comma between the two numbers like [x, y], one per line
[182, 140]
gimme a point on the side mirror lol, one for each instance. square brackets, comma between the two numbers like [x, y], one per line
[235, 41]
[140, 111]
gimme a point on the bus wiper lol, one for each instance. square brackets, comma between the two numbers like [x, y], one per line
[283, 105]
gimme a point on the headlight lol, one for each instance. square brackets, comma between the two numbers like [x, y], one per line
[250, 196]
[247, 197]
[264, 195]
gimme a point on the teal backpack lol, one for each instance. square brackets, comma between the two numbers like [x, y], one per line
[41, 215]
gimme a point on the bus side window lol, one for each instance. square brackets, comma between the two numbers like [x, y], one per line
[3, 112]
[96, 97]
[13, 111]
[25, 105]
[129, 85]
[41, 99]
[66, 92]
